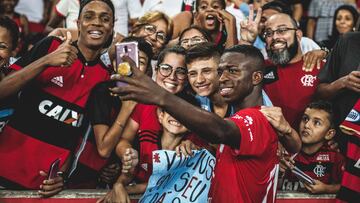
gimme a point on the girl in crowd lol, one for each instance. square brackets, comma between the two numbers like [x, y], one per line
[170, 136]
[345, 19]
[192, 36]
[211, 16]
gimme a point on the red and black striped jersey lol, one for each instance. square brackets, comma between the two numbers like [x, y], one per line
[325, 165]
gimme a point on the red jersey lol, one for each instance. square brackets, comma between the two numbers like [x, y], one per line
[147, 136]
[48, 118]
[350, 184]
[325, 165]
[290, 88]
[247, 174]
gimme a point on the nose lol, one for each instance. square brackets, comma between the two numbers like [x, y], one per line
[172, 76]
[200, 79]
[307, 124]
[96, 21]
[223, 77]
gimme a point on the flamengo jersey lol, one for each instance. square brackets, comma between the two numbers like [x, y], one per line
[290, 88]
[48, 119]
[147, 137]
[248, 174]
[350, 184]
[325, 165]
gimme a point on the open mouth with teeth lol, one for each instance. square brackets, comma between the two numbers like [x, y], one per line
[174, 123]
[170, 86]
[278, 45]
[95, 34]
[225, 91]
[210, 20]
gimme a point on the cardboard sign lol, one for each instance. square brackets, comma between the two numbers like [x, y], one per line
[179, 179]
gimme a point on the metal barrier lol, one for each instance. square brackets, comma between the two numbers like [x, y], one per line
[90, 196]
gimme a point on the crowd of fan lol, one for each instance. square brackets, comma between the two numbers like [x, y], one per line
[60, 99]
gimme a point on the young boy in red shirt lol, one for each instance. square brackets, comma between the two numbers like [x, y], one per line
[316, 159]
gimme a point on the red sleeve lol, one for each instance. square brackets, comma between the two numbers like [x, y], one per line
[136, 114]
[338, 169]
[256, 132]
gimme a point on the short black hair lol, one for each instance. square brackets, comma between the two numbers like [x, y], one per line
[144, 47]
[203, 50]
[83, 3]
[325, 106]
[277, 6]
[222, 2]
[249, 51]
[11, 26]
[174, 49]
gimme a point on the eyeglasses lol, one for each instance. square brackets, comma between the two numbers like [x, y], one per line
[192, 41]
[280, 31]
[166, 70]
[152, 29]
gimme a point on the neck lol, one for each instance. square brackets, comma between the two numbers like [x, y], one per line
[311, 148]
[298, 56]
[88, 53]
[253, 99]
[169, 141]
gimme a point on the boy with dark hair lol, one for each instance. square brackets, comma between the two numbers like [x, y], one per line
[316, 159]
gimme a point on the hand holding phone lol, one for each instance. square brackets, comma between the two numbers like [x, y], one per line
[54, 169]
[126, 49]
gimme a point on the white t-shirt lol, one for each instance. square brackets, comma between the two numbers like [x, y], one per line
[239, 16]
[69, 9]
[32, 9]
[169, 7]
[125, 9]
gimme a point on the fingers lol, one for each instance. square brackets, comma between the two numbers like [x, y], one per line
[135, 70]
[100, 200]
[49, 193]
[251, 13]
[258, 16]
[68, 38]
[43, 173]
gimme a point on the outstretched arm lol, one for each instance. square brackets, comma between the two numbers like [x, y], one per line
[142, 89]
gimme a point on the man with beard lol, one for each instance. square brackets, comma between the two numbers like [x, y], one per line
[286, 83]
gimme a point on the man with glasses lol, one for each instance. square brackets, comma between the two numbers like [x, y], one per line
[287, 84]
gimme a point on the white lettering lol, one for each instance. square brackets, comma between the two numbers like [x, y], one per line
[42, 105]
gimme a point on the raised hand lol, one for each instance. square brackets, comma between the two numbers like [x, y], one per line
[250, 28]
[276, 118]
[140, 87]
[64, 55]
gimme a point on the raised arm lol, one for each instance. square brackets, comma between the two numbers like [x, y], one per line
[142, 89]
[64, 55]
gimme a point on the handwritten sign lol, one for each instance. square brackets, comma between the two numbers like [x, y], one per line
[179, 179]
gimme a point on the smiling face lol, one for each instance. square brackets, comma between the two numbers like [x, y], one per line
[235, 77]
[191, 38]
[151, 37]
[206, 12]
[171, 125]
[203, 76]
[344, 21]
[5, 46]
[95, 24]
[172, 83]
[282, 45]
[315, 126]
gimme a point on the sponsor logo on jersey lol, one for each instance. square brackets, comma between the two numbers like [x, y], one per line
[58, 80]
[353, 116]
[323, 157]
[60, 113]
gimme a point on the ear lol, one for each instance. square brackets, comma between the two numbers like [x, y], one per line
[257, 77]
[160, 116]
[330, 134]
[299, 35]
